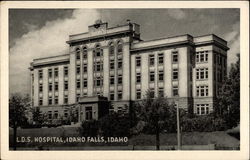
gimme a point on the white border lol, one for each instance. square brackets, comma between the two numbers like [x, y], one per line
[244, 126]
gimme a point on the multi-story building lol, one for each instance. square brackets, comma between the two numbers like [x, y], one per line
[114, 64]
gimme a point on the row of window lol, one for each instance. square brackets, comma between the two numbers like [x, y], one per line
[220, 60]
[56, 72]
[112, 95]
[98, 52]
[85, 69]
[160, 92]
[160, 59]
[84, 55]
[50, 100]
[50, 73]
[55, 115]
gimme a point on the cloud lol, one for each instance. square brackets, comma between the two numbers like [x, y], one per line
[176, 13]
[47, 41]
[233, 39]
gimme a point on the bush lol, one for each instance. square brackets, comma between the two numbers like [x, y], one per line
[202, 124]
[89, 128]
[115, 125]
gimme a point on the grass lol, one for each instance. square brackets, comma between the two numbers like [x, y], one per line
[220, 138]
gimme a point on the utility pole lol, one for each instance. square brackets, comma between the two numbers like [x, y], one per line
[178, 128]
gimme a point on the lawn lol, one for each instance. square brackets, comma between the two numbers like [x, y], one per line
[221, 139]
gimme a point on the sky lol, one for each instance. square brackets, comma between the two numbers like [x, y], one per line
[37, 33]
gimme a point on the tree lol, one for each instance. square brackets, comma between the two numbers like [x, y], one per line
[37, 116]
[17, 107]
[228, 105]
[154, 111]
[115, 125]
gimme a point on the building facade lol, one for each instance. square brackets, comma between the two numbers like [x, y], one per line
[115, 65]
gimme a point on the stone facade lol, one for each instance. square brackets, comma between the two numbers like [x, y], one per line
[115, 63]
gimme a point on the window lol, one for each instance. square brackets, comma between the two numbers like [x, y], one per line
[40, 74]
[202, 56]
[56, 72]
[112, 64]
[65, 113]
[161, 76]
[78, 70]
[201, 91]
[197, 57]
[111, 96]
[112, 80]
[119, 79]
[40, 87]
[85, 94]
[55, 114]
[119, 64]
[175, 74]
[111, 49]
[98, 66]
[98, 81]
[50, 73]
[66, 85]
[85, 68]
[50, 114]
[202, 109]
[151, 60]
[138, 94]
[202, 74]
[119, 96]
[160, 58]
[98, 51]
[174, 56]
[88, 111]
[85, 83]
[85, 53]
[78, 84]
[138, 61]
[65, 99]
[66, 71]
[175, 91]
[138, 77]
[206, 56]
[160, 92]
[198, 110]
[119, 48]
[77, 97]
[56, 99]
[41, 101]
[77, 53]
[50, 87]
[50, 100]
[56, 86]
[207, 110]
[219, 59]
[152, 76]
[206, 73]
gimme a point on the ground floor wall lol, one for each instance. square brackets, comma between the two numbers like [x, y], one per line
[82, 112]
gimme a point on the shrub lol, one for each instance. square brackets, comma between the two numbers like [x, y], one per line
[89, 128]
[202, 124]
[115, 125]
